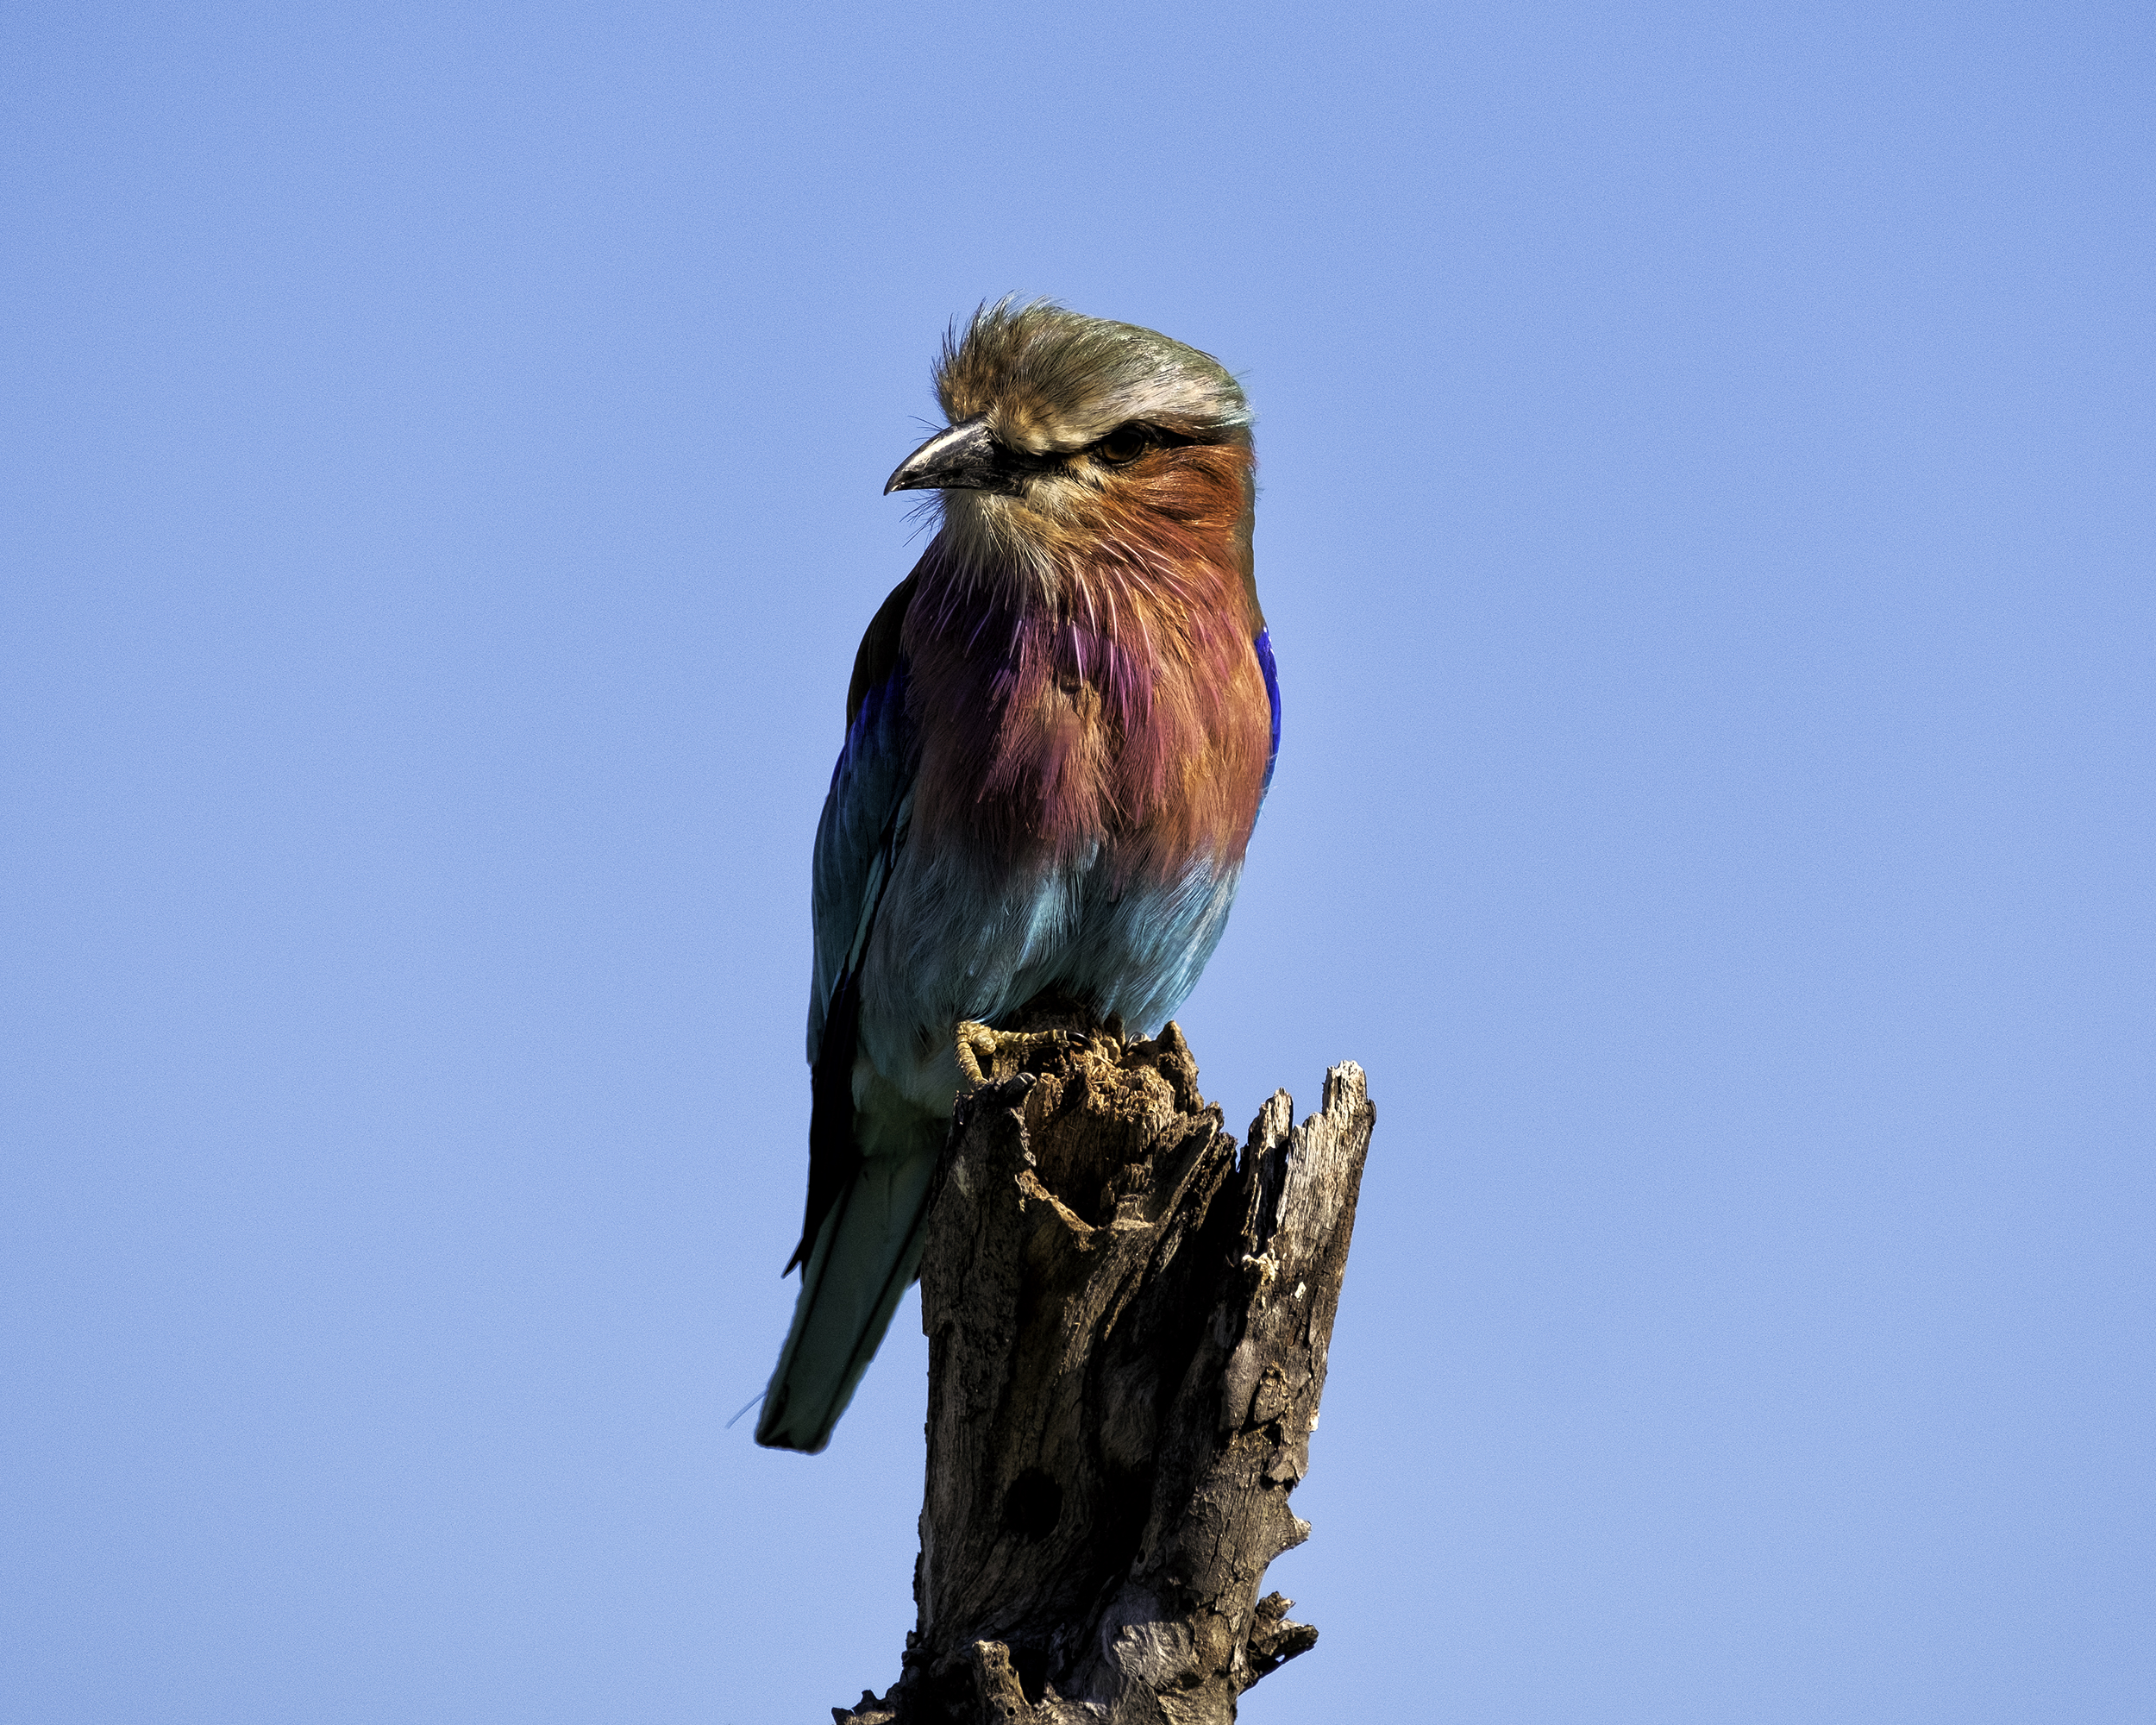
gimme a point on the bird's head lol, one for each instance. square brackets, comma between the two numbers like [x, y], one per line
[1063, 428]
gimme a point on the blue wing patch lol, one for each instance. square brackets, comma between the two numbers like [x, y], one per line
[862, 827]
[1264, 645]
[857, 839]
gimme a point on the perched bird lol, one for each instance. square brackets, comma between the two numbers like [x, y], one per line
[1058, 733]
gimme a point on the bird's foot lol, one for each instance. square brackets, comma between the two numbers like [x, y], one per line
[989, 1056]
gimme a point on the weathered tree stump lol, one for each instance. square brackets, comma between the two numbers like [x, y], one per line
[1128, 1330]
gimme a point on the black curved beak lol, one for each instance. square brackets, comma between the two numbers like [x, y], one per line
[961, 457]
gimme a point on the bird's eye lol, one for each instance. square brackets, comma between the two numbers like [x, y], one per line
[1122, 446]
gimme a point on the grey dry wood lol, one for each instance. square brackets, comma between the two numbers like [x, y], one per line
[1128, 1330]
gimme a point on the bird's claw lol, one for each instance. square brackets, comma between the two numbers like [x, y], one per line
[989, 1056]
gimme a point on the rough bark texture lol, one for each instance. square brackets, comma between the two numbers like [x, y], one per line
[1128, 1329]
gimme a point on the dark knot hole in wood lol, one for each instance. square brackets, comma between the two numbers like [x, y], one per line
[1033, 1505]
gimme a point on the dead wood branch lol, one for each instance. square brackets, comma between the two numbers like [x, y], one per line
[1128, 1329]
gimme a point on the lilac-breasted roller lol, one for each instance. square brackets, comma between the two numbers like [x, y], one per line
[1059, 730]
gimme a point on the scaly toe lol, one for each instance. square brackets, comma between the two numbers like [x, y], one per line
[987, 1056]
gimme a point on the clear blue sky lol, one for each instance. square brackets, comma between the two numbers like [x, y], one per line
[1709, 533]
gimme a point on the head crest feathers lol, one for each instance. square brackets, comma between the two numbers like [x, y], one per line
[1050, 378]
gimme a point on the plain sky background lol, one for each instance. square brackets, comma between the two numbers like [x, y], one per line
[1708, 529]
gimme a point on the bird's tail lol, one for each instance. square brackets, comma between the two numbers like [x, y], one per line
[867, 1251]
